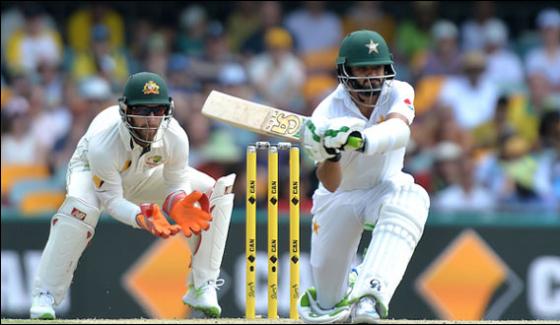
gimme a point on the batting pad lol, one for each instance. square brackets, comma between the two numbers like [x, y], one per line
[400, 226]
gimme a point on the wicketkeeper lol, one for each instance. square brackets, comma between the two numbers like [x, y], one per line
[133, 163]
[364, 189]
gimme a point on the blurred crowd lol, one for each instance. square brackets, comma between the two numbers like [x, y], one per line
[486, 135]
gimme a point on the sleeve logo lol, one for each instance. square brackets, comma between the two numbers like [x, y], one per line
[409, 104]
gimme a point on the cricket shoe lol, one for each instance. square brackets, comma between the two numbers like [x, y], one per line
[311, 313]
[42, 306]
[204, 298]
[365, 311]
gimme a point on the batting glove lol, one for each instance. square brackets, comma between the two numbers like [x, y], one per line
[313, 142]
[340, 129]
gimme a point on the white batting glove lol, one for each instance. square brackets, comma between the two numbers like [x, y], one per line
[313, 141]
[339, 129]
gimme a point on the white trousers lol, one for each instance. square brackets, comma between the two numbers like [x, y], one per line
[339, 220]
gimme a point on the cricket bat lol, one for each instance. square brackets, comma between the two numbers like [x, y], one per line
[259, 118]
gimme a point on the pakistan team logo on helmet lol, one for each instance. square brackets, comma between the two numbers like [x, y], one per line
[360, 49]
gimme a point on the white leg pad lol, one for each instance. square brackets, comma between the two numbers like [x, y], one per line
[400, 226]
[207, 259]
[72, 228]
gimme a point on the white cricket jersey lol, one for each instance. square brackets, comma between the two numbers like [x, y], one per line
[360, 171]
[121, 169]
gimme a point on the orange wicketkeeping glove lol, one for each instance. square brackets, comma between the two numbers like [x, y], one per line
[152, 220]
[191, 218]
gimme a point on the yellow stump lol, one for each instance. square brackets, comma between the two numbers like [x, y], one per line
[294, 231]
[251, 233]
[273, 232]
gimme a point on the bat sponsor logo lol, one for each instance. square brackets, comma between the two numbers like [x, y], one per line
[282, 124]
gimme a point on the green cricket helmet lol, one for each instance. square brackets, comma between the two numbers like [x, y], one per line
[145, 96]
[359, 49]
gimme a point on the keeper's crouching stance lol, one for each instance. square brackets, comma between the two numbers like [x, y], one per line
[133, 163]
[363, 189]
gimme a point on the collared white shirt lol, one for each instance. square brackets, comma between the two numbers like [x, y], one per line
[122, 170]
[539, 62]
[471, 106]
[361, 171]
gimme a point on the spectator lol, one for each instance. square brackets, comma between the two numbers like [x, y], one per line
[413, 36]
[547, 176]
[464, 194]
[444, 58]
[95, 14]
[34, 43]
[270, 16]
[157, 57]
[101, 60]
[278, 74]
[242, 23]
[51, 78]
[447, 129]
[471, 96]
[446, 158]
[193, 22]
[56, 120]
[19, 144]
[217, 54]
[12, 20]
[370, 15]
[141, 31]
[504, 68]
[314, 28]
[473, 28]
[488, 135]
[544, 62]
[520, 168]
[178, 77]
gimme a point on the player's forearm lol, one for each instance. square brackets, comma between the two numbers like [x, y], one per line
[122, 210]
[390, 135]
[329, 174]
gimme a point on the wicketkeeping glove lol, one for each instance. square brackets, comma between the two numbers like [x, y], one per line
[190, 217]
[339, 129]
[152, 220]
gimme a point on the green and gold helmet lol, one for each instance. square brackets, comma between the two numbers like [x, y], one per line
[359, 49]
[145, 96]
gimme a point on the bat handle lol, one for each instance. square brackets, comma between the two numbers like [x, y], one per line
[355, 142]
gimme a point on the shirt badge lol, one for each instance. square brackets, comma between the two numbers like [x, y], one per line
[153, 161]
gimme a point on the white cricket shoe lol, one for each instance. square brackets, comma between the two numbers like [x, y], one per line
[204, 298]
[42, 306]
[364, 311]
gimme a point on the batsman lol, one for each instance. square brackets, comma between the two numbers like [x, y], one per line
[363, 189]
[133, 163]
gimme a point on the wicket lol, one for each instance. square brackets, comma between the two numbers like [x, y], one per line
[251, 226]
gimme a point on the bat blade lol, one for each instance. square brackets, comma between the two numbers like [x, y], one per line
[252, 116]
